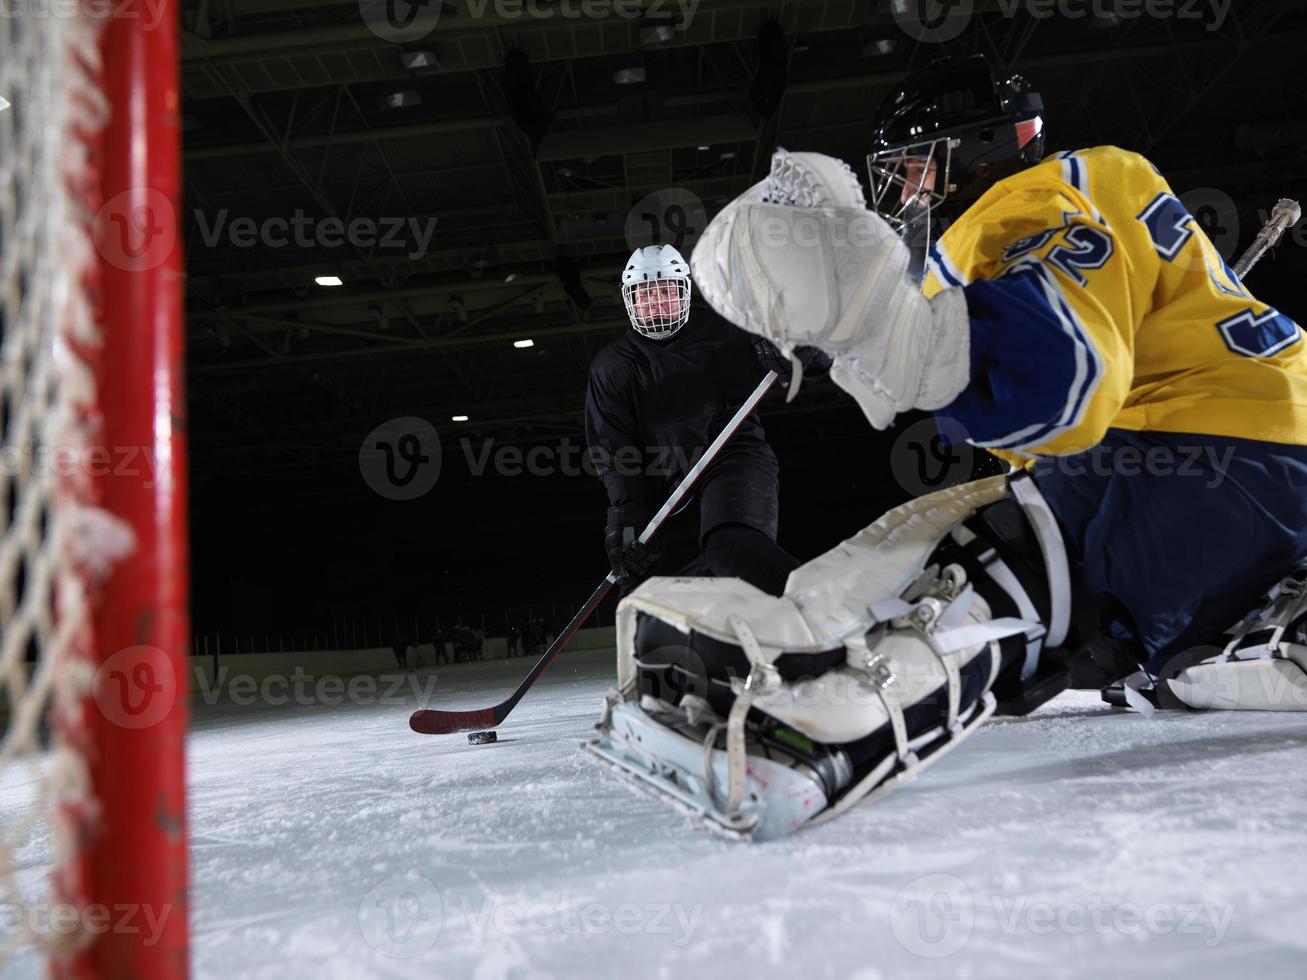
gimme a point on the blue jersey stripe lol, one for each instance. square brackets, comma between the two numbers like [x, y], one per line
[1034, 367]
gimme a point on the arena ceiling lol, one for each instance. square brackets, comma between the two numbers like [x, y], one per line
[496, 160]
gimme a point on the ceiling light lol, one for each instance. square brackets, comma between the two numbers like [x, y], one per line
[523, 344]
[413, 60]
[878, 49]
[704, 148]
[329, 281]
[458, 418]
[401, 100]
[629, 76]
[657, 34]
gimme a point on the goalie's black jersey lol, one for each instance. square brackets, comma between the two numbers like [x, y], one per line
[653, 407]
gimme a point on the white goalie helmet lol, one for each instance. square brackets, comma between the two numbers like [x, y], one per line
[656, 291]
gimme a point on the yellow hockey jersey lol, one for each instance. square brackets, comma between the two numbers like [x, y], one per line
[1097, 302]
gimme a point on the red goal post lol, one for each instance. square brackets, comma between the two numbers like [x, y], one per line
[94, 631]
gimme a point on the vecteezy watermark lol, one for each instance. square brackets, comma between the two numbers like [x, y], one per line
[401, 916]
[136, 230]
[136, 687]
[1211, 464]
[405, 21]
[1215, 213]
[572, 917]
[814, 228]
[400, 459]
[308, 690]
[1214, 12]
[405, 914]
[571, 459]
[71, 462]
[935, 916]
[672, 216]
[932, 454]
[936, 453]
[401, 21]
[938, 21]
[932, 21]
[64, 919]
[302, 231]
[1100, 917]
[149, 12]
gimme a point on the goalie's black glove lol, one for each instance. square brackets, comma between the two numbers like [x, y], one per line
[630, 560]
[816, 362]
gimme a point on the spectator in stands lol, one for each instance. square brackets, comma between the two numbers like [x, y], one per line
[439, 640]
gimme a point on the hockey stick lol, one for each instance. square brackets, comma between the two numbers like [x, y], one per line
[1284, 216]
[434, 721]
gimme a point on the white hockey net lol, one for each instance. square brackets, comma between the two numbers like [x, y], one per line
[54, 544]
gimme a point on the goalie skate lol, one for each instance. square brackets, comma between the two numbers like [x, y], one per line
[1263, 667]
[658, 749]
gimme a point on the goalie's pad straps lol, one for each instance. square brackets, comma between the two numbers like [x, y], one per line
[997, 569]
[1281, 607]
[1055, 561]
[949, 662]
[951, 639]
[763, 679]
[880, 677]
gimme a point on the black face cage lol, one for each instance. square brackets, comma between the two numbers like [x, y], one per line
[887, 172]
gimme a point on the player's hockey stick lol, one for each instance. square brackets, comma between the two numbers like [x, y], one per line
[1284, 216]
[435, 721]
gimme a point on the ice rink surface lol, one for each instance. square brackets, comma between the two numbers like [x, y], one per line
[331, 842]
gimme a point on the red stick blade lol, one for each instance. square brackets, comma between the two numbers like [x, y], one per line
[430, 721]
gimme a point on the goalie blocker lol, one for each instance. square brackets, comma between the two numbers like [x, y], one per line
[764, 714]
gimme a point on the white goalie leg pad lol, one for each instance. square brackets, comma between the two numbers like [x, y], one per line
[801, 260]
[1263, 667]
[909, 633]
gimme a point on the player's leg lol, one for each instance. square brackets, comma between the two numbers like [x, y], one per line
[739, 516]
[1179, 536]
[740, 551]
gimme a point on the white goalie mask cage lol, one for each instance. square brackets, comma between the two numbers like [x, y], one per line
[656, 291]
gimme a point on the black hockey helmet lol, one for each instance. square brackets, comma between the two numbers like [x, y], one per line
[957, 118]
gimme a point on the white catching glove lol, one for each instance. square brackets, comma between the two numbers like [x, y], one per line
[801, 260]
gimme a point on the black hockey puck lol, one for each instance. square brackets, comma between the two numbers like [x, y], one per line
[482, 738]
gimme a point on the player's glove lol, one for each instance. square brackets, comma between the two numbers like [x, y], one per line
[814, 360]
[799, 259]
[630, 560]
